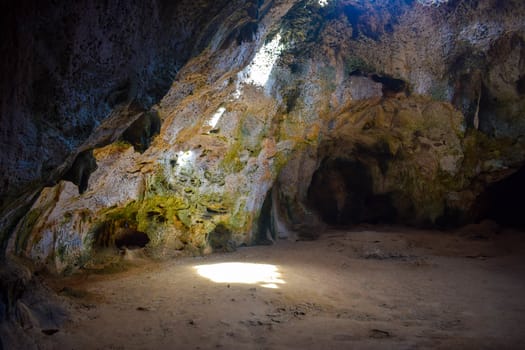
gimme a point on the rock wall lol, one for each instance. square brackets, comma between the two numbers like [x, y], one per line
[75, 75]
[426, 99]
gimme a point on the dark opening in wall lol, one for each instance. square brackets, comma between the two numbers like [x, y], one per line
[342, 193]
[81, 169]
[264, 223]
[119, 234]
[132, 239]
[504, 201]
[142, 130]
[520, 85]
[390, 85]
[220, 239]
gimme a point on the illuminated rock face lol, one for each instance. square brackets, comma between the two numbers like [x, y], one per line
[75, 75]
[284, 112]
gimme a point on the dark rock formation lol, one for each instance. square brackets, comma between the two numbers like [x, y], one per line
[142, 130]
[81, 169]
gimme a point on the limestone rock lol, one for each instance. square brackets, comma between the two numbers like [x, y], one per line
[413, 108]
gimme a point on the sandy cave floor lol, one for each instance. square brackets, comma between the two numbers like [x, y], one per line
[366, 288]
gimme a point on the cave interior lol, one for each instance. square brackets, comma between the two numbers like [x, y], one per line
[296, 174]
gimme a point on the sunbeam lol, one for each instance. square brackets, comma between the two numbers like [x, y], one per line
[264, 275]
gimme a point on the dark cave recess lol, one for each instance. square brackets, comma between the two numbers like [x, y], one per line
[119, 234]
[504, 201]
[341, 192]
[132, 239]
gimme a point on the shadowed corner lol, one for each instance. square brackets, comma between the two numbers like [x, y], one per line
[264, 275]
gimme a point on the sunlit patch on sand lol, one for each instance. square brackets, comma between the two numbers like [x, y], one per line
[264, 275]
